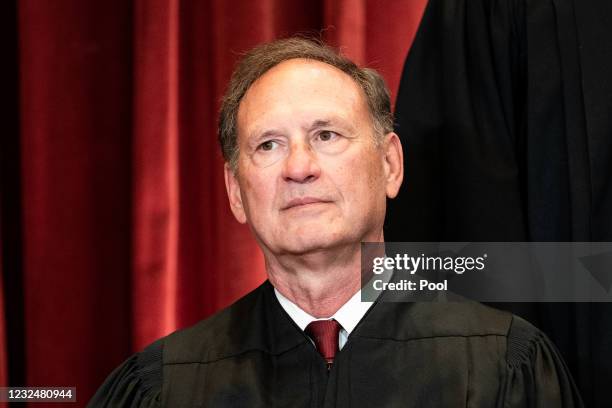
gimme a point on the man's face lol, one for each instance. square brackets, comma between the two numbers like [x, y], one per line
[309, 174]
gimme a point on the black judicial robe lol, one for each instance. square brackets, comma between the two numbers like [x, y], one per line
[505, 114]
[400, 355]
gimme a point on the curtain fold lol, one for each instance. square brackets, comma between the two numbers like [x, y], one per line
[155, 169]
[75, 127]
[126, 231]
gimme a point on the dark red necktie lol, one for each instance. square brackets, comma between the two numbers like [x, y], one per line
[324, 333]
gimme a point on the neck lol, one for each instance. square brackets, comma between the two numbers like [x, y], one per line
[319, 282]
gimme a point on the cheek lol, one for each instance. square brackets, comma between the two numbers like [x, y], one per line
[366, 171]
[258, 196]
[360, 180]
[374, 187]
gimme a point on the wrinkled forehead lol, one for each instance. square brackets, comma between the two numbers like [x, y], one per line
[301, 89]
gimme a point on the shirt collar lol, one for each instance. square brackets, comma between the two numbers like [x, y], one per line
[348, 315]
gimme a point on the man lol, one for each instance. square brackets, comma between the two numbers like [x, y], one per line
[311, 158]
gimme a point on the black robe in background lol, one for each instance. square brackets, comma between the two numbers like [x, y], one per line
[505, 115]
[400, 355]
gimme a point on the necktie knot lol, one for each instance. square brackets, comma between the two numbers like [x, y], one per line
[324, 333]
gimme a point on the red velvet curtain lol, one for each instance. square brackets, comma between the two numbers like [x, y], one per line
[126, 234]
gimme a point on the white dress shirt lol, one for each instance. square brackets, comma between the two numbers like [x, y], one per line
[348, 315]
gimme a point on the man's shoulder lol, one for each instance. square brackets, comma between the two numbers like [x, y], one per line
[409, 321]
[524, 341]
[428, 320]
[216, 335]
[139, 379]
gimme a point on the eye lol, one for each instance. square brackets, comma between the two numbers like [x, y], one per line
[327, 135]
[267, 145]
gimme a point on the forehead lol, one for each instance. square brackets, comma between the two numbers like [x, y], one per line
[301, 89]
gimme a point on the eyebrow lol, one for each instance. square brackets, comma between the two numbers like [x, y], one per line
[334, 122]
[317, 124]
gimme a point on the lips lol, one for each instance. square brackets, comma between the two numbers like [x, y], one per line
[299, 202]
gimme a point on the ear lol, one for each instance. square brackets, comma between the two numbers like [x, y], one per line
[233, 194]
[393, 164]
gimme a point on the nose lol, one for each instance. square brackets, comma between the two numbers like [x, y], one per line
[301, 164]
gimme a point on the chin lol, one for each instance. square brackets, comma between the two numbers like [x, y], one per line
[301, 247]
[313, 241]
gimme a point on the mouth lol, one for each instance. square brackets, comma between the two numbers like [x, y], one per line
[303, 202]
